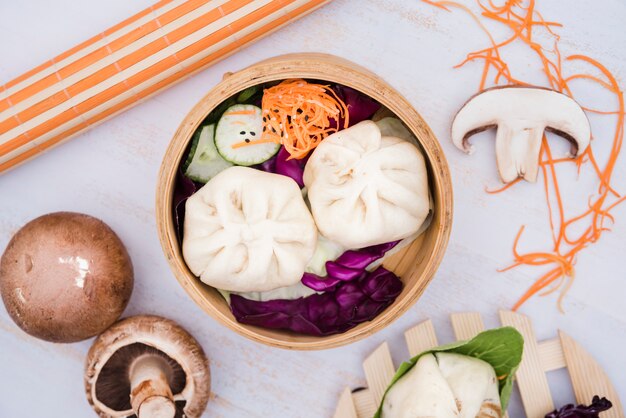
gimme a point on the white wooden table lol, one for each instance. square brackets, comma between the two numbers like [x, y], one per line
[110, 172]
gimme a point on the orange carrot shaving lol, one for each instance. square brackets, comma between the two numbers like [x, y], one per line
[246, 143]
[503, 188]
[240, 112]
[436, 4]
[570, 233]
[299, 115]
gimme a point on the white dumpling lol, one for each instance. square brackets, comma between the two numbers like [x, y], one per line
[421, 393]
[474, 384]
[248, 231]
[366, 189]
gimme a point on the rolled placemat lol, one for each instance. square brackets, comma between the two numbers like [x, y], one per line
[127, 63]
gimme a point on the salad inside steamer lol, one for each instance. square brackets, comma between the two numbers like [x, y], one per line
[291, 196]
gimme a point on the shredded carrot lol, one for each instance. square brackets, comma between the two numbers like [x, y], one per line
[299, 115]
[240, 112]
[523, 21]
[503, 188]
[257, 141]
[436, 4]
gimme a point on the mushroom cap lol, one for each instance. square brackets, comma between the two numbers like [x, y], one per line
[522, 107]
[65, 277]
[160, 334]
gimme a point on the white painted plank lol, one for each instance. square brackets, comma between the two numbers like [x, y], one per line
[110, 172]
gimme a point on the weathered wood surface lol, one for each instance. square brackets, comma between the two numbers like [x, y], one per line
[111, 172]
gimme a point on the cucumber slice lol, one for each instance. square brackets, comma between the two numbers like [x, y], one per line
[243, 123]
[206, 162]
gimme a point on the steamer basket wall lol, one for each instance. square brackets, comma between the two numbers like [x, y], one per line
[415, 264]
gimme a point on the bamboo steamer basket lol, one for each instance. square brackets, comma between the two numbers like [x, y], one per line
[415, 264]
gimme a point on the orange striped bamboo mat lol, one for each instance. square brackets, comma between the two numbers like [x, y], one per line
[127, 63]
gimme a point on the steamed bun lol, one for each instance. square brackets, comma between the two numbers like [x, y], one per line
[474, 384]
[422, 392]
[248, 231]
[365, 188]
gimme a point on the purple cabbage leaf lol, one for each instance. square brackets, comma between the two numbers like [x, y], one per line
[281, 164]
[290, 167]
[348, 266]
[360, 106]
[183, 189]
[269, 166]
[337, 310]
[581, 411]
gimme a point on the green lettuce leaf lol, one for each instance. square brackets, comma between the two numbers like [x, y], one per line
[501, 347]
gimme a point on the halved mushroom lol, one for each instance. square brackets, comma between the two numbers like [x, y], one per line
[521, 115]
[148, 367]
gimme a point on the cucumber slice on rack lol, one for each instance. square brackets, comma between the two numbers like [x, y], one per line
[205, 162]
[238, 125]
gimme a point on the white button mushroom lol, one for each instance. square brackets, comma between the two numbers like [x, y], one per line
[65, 277]
[148, 367]
[521, 115]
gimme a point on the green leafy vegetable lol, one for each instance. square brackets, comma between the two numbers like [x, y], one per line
[192, 148]
[217, 113]
[502, 348]
[246, 96]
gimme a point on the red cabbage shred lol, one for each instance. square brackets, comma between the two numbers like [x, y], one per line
[581, 411]
[350, 265]
[334, 311]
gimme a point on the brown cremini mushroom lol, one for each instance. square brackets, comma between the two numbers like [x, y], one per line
[65, 277]
[521, 115]
[149, 367]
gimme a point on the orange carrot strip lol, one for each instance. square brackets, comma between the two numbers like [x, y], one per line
[593, 78]
[298, 115]
[436, 4]
[523, 20]
[256, 141]
[505, 187]
[240, 112]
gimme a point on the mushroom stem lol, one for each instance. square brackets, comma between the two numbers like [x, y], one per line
[517, 151]
[151, 396]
